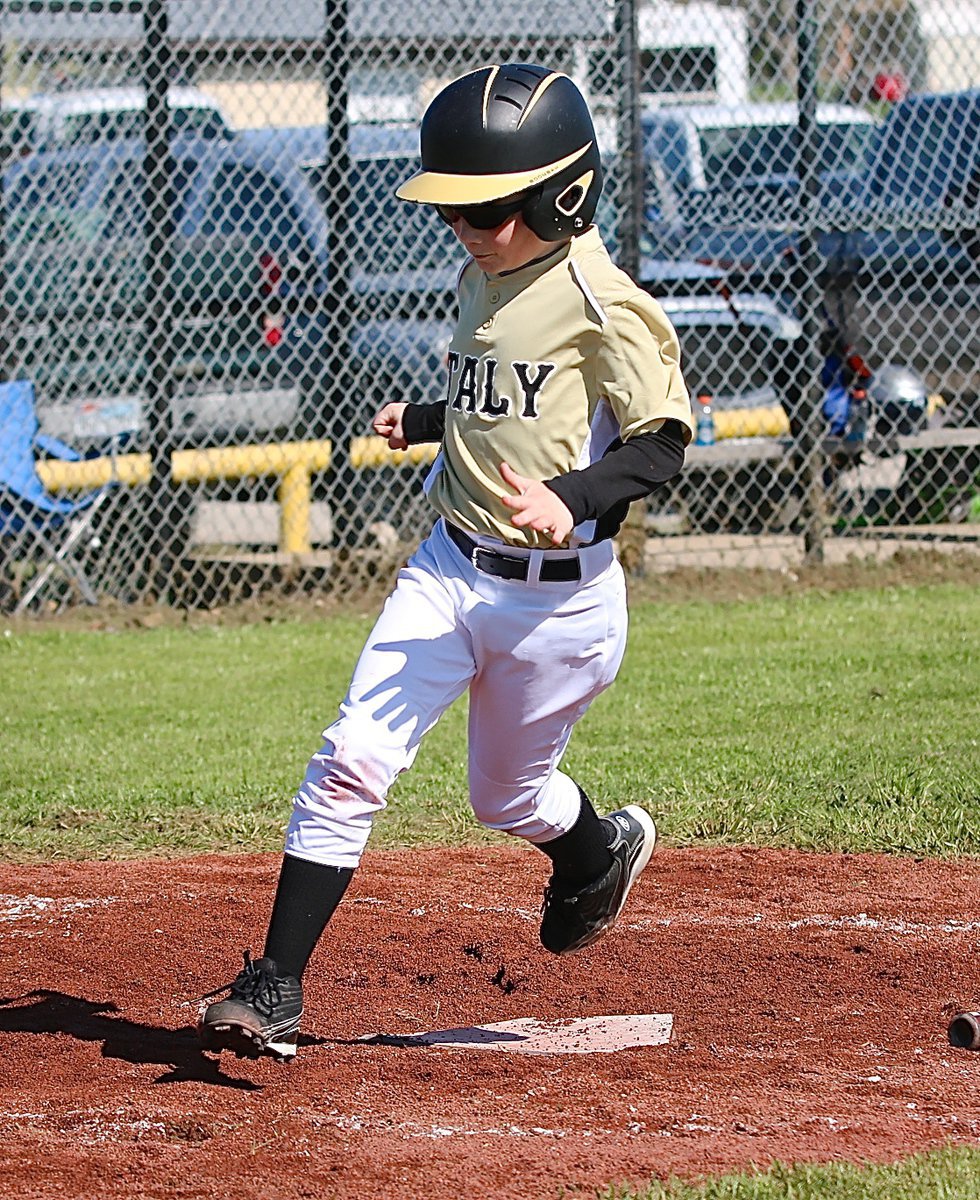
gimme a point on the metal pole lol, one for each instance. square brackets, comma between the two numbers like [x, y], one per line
[630, 136]
[5, 330]
[335, 411]
[159, 169]
[337, 66]
[632, 536]
[810, 436]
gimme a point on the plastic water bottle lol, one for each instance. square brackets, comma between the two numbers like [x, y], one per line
[705, 422]
[857, 417]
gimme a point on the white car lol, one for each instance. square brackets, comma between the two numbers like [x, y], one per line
[84, 116]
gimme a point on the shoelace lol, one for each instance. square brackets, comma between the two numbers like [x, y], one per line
[553, 895]
[252, 985]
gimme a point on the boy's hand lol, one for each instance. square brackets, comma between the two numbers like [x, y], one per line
[388, 423]
[536, 505]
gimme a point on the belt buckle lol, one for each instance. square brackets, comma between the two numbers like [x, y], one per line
[473, 559]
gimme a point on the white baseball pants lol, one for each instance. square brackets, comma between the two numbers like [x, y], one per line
[533, 655]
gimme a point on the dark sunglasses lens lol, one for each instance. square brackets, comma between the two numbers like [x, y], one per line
[489, 216]
[482, 216]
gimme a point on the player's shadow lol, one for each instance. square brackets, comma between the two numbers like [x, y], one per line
[45, 1011]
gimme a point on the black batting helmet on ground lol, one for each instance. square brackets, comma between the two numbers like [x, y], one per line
[505, 131]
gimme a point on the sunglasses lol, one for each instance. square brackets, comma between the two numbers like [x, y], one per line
[483, 216]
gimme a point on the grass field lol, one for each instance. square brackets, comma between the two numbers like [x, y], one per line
[844, 720]
[825, 719]
[952, 1174]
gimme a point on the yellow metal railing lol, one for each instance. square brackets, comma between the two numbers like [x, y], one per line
[768, 421]
[293, 462]
[63, 475]
[373, 452]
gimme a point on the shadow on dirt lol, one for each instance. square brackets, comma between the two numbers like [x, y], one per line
[45, 1011]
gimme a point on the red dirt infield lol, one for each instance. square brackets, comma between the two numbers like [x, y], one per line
[810, 995]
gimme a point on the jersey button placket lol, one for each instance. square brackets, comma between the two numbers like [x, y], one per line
[493, 297]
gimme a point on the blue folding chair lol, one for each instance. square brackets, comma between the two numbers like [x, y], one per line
[35, 524]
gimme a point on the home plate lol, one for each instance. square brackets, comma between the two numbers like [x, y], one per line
[582, 1035]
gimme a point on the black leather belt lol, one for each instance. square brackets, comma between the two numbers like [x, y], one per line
[499, 563]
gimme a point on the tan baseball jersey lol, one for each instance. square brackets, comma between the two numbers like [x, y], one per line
[547, 366]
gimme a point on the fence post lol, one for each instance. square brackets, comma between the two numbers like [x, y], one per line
[810, 438]
[335, 410]
[629, 137]
[159, 530]
[632, 536]
[5, 363]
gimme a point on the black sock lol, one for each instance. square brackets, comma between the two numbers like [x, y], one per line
[582, 854]
[306, 897]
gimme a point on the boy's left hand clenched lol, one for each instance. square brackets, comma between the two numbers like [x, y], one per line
[535, 504]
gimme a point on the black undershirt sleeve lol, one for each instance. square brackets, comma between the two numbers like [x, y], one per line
[424, 422]
[627, 471]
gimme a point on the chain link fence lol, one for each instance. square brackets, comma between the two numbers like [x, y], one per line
[208, 287]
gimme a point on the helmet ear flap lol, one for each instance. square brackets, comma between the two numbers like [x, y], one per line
[573, 197]
[563, 207]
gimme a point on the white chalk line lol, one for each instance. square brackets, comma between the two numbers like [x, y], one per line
[693, 1124]
[856, 921]
[47, 909]
[97, 1129]
[86, 1126]
[37, 908]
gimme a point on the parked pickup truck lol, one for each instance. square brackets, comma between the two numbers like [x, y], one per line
[897, 200]
[722, 179]
[918, 196]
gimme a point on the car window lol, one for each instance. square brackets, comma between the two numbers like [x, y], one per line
[732, 155]
[19, 130]
[386, 232]
[667, 141]
[238, 200]
[119, 208]
[243, 199]
[83, 129]
[42, 196]
[844, 146]
[113, 125]
[737, 155]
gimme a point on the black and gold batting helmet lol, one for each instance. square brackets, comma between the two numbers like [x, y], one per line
[512, 131]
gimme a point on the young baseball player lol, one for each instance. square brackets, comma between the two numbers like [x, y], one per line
[564, 402]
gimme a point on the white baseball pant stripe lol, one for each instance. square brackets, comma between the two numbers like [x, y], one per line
[533, 655]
